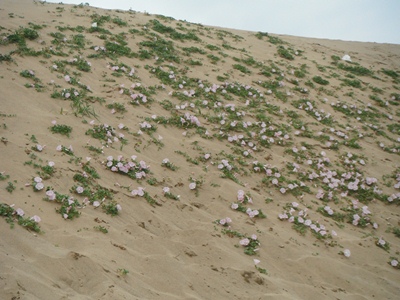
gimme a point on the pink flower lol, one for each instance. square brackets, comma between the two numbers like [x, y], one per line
[96, 203]
[254, 237]
[79, 190]
[39, 186]
[51, 163]
[234, 205]
[51, 195]
[19, 212]
[119, 208]
[36, 218]
[192, 185]
[140, 191]
[166, 189]
[394, 263]
[282, 216]
[37, 179]
[256, 261]
[67, 78]
[244, 242]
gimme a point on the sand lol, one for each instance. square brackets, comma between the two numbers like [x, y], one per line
[161, 248]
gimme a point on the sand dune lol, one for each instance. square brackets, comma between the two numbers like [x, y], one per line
[303, 143]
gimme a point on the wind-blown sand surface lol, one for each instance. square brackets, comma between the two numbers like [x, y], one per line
[232, 111]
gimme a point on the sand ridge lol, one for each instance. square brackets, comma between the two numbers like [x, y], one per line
[281, 118]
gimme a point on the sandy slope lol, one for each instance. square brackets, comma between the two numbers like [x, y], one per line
[174, 250]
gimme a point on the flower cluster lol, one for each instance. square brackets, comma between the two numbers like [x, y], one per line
[246, 199]
[224, 222]
[69, 150]
[301, 222]
[138, 192]
[132, 168]
[167, 193]
[166, 163]
[106, 133]
[251, 244]
[37, 184]
[69, 205]
[381, 243]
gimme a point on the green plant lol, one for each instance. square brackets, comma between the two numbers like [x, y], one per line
[29, 224]
[118, 107]
[123, 271]
[285, 53]
[101, 229]
[354, 83]
[112, 208]
[10, 187]
[260, 35]
[396, 231]
[355, 69]
[61, 129]
[320, 80]
[241, 68]
[166, 163]
[3, 177]
[381, 243]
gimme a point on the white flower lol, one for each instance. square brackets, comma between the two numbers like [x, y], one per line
[51, 195]
[346, 252]
[36, 218]
[19, 212]
[39, 186]
[79, 190]
[192, 185]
